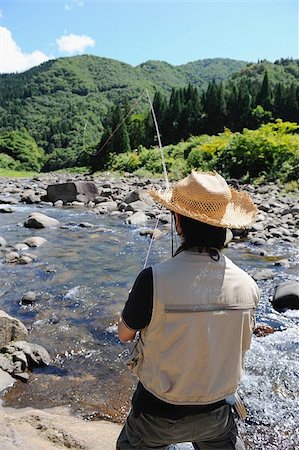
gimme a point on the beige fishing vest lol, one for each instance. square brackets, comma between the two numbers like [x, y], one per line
[201, 325]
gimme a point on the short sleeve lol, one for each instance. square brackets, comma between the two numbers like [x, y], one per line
[137, 312]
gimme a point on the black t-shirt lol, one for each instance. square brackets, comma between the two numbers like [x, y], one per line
[137, 314]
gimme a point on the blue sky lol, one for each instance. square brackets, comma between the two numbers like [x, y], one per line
[133, 32]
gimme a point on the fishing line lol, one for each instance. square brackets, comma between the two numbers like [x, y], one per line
[150, 244]
[159, 141]
[165, 175]
[119, 125]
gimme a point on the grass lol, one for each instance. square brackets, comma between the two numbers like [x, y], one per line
[16, 173]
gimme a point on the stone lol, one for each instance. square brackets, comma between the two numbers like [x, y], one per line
[106, 207]
[23, 376]
[264, 207]
[257, 241]
[282, 263]
[8, 200]
[153, 233]
[265, 274]
[257, 227]
[82, 198]
[21, 246]
[19, 356]
[35, 241]
[58, 204]
[11, 329]
[229, 236]
[77, 204]
[12, 257]
[39, 220]
[137, 206]
[137, 218]
[29, 297]
[139, 195]
[6, 363]
[286, 296]
[6, 210]
[36, 355]
[262, 330]
[164, 218]
[2, 242]
[23, 259]
[68, 192]
[86, 225]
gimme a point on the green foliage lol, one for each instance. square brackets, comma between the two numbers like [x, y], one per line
[125, 162]
[22, 149]
[270, 153]
[202, 155]
[71, 105]
[7, 162]
[291, 186]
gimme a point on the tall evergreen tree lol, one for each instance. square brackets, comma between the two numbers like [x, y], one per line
[213, 109]
[120, 139]
[279, 107]
[172, 116]
[189, 120]
[264, 97]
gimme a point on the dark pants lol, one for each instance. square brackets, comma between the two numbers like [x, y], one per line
[213, 430]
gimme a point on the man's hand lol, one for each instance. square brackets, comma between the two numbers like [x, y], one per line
[124, 333]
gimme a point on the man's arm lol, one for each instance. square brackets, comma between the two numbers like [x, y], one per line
[137, 312]
[124, 332]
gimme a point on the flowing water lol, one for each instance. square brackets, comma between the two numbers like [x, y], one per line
[83, 275]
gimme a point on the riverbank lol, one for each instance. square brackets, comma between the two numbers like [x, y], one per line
[81, 274]
[32, 429]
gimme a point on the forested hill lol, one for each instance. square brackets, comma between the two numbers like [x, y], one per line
[63, 103]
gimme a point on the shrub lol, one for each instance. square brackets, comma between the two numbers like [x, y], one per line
[7, 162]
[21, 147]
[124, 162]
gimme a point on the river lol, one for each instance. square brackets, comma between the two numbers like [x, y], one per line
[83, 275]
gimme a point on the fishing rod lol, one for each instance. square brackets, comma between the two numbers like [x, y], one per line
[165, 177]
[163, 164]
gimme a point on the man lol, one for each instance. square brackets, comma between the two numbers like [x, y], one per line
[195, 314]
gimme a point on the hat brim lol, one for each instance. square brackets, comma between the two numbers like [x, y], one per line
[240, 212]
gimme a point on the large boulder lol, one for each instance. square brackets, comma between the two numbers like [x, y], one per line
[39, 220]
[11, 329]
[286, 296]
[69, 192]
[35, 354]
[139, 195]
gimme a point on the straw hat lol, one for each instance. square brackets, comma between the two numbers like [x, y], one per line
[205, 196]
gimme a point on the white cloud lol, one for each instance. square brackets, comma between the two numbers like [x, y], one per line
[71, 3]
[74, 43]
[12, 59]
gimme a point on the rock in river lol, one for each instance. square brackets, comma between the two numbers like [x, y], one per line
[11, 329]
[286, 296]
[39, 220]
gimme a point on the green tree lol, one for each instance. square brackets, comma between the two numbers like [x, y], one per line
[214, 109]
[264, 96]
[20, 146]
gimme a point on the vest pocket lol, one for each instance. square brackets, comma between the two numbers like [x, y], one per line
[136, 357]
[173, 351]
